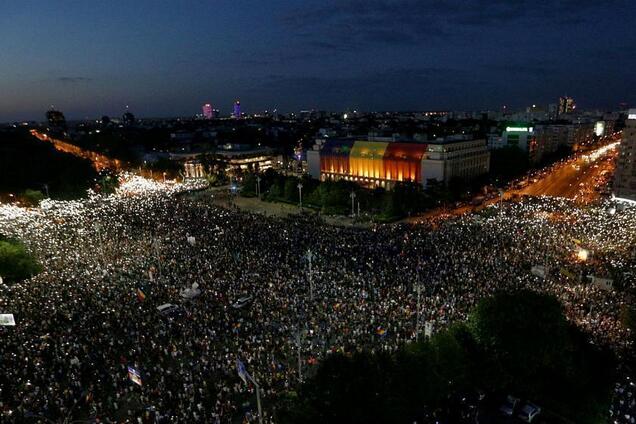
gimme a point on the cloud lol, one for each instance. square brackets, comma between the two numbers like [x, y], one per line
[74, 80]
[516, 69]
[353, 24]
[404, 87]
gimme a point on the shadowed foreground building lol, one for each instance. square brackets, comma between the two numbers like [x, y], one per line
[382, 164]
[625, 177]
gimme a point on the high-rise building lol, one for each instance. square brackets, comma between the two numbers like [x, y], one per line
[625, 176]
[566, 105]
[237, 109]
[56, 119]
[208, 112]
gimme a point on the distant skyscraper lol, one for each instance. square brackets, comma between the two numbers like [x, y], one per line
[237, 109]
[625, 176]
[56, 119]
[566, 105]
[208, 111]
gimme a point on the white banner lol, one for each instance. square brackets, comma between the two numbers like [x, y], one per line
[428, 328]
[539, 271]
[7, 319]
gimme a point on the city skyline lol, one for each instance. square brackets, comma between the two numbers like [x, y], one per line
[163, 59]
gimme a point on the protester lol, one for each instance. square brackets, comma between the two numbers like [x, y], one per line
[110, 261]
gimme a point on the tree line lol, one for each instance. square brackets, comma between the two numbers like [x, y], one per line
[513, 343]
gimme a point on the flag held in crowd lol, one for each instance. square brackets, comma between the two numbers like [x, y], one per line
[242, 372]
[141, 296]
[134, 375]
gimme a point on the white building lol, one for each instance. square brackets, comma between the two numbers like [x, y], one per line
[625, 176]
[455, 157]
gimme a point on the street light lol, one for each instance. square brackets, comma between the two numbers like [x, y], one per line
[299, 342]
[258, 186]
[310, 256]
[300, 194]
[353, 197]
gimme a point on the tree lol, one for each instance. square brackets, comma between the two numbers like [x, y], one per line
[533, 351]
[29, 164]
[16, 264]
[249, 185]
[32, 197]
[509, 161]
[108, 182]
[290, 189]
[518, 343]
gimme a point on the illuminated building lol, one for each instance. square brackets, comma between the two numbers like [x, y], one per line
[208, 112]
[625, 176]
[599, 128]
[382, 164]
[566, 105]
[236, 112]
[517, 136]
[231, 158]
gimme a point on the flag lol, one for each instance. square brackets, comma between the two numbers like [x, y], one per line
[141, 296]
[134, 375]
[567, 273]
[242, 372]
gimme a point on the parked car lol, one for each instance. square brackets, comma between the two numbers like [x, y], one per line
[509, 405]
[528, 412]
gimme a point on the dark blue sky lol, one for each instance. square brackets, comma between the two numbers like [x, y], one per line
[167, 57]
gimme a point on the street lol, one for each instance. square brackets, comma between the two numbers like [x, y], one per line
[578, 179]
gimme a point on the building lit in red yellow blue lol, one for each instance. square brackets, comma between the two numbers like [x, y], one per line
[382, 164]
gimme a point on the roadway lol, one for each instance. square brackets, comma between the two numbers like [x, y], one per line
[98, 160]
[583, 178]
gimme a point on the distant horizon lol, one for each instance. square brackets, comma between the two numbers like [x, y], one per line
[333, 111]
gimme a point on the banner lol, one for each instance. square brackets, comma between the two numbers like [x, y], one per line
[428, 328]
[602, 283]
[7, 319]
[539, 271]
[191, 292]
[567, 273]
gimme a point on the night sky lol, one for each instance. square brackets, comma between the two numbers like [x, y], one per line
[167, 57]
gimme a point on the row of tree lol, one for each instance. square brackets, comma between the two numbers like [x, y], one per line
[513, 343]
[32, 169]
[16, 263]
[334, 197]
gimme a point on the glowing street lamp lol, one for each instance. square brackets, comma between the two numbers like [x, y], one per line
[300, 194]
[353, 197]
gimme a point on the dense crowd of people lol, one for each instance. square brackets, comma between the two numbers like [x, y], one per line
[109, 262]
